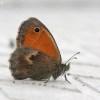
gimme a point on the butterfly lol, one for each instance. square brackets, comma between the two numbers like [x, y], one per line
[37, 55]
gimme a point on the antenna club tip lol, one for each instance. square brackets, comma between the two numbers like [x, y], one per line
[75, 58]
[78, 52]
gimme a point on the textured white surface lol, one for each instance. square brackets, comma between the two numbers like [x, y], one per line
[75, 26]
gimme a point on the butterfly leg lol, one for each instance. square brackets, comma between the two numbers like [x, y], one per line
[47, 80]
[66, 78]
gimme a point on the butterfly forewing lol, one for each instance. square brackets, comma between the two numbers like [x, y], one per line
[42, 40]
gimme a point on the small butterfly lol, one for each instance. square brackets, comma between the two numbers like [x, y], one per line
[37, 55]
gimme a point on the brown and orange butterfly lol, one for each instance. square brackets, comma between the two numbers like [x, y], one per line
[37, 55]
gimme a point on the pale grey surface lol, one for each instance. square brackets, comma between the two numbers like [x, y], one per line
[75, 26]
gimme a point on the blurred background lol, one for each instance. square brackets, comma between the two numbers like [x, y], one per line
[75, 25]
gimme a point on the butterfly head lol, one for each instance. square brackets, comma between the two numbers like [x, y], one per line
[62, 68]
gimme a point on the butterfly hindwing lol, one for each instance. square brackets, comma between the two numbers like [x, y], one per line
[28, 62]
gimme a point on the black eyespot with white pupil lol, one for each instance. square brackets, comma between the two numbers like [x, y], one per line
[37, 29]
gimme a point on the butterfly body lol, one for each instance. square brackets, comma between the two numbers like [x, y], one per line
[37, 55]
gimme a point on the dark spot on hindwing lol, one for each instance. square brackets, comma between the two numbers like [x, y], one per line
[33, 57]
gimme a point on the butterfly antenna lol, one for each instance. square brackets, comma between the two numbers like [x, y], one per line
[73, 57]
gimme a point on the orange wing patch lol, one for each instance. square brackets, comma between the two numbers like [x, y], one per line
[40, 41]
